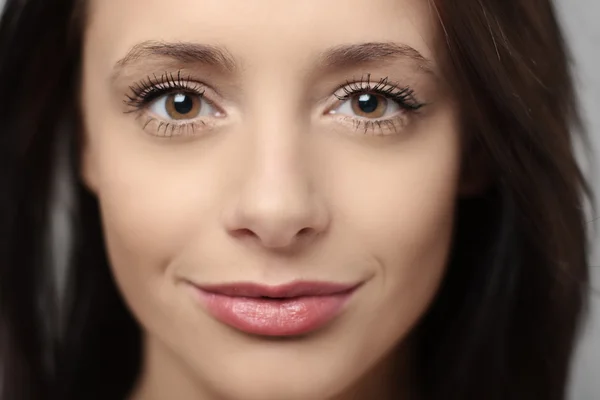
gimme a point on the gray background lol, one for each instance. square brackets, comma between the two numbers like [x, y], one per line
[580, 21]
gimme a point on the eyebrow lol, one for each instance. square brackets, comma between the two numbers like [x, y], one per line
[371, 52]
[337, 57]
[184, 52]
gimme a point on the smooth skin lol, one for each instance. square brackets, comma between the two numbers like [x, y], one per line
[274, 180]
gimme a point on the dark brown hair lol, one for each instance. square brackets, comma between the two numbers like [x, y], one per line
[508, 316]
[503, 324]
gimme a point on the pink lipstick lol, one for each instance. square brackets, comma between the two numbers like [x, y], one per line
[293, 309]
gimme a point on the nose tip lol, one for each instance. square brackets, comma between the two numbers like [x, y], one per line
[276, 221]
[275, 241]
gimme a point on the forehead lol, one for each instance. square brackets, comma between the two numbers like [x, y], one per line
[259, 32]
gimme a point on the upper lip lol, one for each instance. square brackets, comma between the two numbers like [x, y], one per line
[288, 290]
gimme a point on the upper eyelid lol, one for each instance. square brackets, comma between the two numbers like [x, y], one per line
[382, 87]
[136, 92]
[383, 84]
[352, 91]
[166, 82]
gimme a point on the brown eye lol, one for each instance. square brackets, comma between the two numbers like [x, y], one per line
[369, 105]
[180, 106]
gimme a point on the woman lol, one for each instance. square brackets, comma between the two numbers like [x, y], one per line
[261, 200]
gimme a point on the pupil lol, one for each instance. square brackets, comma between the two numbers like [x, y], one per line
[183, 103]
[368, 103]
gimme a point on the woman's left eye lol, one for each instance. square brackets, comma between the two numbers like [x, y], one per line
[180, 106]
[368, 105]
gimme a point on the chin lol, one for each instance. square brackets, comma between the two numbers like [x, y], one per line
[252, 386]
[294, 379]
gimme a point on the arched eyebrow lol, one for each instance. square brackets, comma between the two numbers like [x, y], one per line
[372, 52]
[184, 52]
[338, 57]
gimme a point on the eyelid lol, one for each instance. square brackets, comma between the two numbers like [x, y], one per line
[155, 87]
[336, 101]
[383, 87]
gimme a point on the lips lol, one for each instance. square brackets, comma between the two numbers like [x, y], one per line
[298, 308]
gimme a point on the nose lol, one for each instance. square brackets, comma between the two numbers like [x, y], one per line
[277, 206]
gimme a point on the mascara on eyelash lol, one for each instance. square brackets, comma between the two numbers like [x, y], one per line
[403, 96]
[145, 91]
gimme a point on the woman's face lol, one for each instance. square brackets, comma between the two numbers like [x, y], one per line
[253, 144]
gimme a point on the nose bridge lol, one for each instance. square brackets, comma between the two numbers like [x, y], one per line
[276, 132]
[277, 177]
[277, 202]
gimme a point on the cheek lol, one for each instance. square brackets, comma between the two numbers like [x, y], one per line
[152, 204]
[400, 201]
[152, 198]
[143, 211]
[406, 219]
[399, 206]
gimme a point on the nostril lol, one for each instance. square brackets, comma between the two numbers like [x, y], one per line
[243, 233]
[304, 231]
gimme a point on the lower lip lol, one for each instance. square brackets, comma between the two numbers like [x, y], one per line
[275, 317]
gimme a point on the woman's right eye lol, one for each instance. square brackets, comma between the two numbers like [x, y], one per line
[181, 106]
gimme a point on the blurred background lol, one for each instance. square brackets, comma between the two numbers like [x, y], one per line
[580, 22]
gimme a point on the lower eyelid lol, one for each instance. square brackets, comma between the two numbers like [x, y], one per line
[157, 127]
[387, 126]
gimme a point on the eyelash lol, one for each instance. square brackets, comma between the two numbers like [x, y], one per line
[145, 92]
[403, 96]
